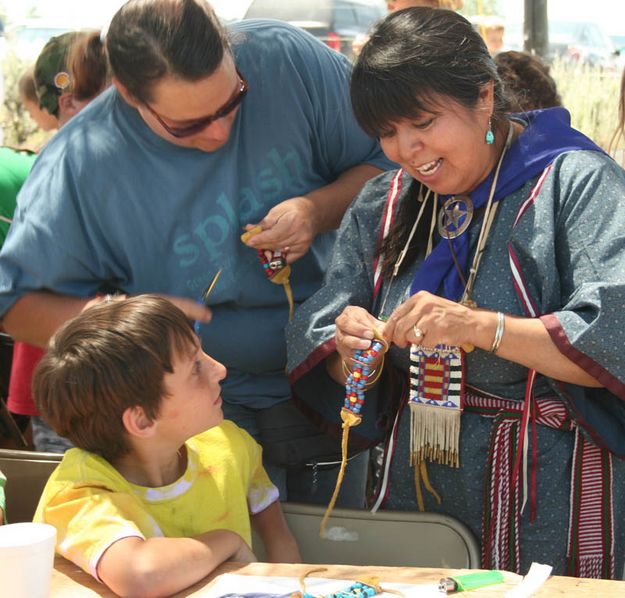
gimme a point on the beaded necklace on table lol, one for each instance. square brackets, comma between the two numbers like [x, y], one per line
[358, 589]
[363, 588]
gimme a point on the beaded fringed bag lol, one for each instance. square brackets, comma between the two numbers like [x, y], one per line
[436, 401]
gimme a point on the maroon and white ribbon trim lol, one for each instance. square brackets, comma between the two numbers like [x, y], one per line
[388, 217]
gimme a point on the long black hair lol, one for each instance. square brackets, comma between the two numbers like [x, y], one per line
[414, 59]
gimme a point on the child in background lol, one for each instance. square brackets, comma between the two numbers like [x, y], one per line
[28, 96]
[14, 168]
[70, 71]
[160, 490]
[527, 81]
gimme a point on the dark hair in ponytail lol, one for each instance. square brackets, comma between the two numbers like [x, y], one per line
[88, 65]
[152, 39]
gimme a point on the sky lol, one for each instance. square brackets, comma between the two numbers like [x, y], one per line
[609, 13]
[73, 12]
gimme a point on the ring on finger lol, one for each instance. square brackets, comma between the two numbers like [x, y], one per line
[419, 334]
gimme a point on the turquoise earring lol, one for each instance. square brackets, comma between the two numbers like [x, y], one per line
[490, 136]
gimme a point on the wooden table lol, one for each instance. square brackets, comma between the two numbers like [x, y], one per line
[68, 581]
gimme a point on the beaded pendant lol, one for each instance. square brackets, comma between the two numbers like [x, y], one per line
[274, 266]
[273, 262]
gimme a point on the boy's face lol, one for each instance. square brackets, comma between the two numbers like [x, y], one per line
[193, 400]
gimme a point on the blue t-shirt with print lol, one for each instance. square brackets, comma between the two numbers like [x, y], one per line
[110, 202]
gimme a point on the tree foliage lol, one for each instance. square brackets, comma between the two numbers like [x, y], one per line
[19, 130]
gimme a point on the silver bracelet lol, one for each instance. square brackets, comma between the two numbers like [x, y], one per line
[501, 325]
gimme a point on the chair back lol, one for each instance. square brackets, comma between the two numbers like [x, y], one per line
[384, 538]
[6, 359]
[10, 429]
[27, 473]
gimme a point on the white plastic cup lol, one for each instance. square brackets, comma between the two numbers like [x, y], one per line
[26, 559]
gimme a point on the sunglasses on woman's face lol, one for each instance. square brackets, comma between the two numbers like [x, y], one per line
[200, 124]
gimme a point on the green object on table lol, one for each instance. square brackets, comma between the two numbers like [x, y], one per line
[470, 581]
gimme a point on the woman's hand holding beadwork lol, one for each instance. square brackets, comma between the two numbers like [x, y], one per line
[429, 320]
[354, 332]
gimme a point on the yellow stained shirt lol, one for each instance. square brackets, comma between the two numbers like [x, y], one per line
[92, 505]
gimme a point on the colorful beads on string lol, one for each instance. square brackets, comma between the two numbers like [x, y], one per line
[358, 377]
[356, 590]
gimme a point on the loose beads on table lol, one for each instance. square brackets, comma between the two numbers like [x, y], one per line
[359, 375]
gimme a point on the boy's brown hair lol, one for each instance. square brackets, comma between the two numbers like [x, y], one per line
[111, 357]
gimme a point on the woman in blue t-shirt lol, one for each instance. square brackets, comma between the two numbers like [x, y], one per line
[206, 133]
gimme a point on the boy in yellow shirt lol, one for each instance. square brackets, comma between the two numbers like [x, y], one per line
[160, 490]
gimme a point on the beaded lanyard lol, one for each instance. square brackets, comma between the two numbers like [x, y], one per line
[358, 589]
[363, 588]
[356, 384]
[275, 267]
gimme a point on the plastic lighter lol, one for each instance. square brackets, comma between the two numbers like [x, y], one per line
[469, 581]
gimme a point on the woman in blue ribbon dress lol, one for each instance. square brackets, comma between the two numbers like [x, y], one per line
[493, 264]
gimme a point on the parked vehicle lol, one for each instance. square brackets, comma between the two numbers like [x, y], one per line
[583, 42]
[618, 41]
[335, 22]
